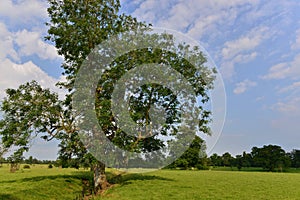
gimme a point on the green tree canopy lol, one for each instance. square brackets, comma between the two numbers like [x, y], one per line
[270, 157]
[78, 27]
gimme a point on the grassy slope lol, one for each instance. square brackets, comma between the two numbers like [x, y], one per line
[40, 183]
[206, 185]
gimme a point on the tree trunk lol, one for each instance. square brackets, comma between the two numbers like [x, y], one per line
[13, 167]
[100, 181]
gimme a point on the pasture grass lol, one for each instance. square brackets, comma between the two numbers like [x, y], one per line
[186, 185]
[39, 183]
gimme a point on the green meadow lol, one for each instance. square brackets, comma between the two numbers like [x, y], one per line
[39, 182]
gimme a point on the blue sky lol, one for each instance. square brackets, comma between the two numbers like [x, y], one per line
[255, 45]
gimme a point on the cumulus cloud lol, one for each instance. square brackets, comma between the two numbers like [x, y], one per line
[289, 107]
[290, 104]
[244, 43]
[284, 70]
[291, 88]
[14, 45]
[7, 44]
[242, 50]
[23, 11]
[243, 86]
[195, 17]
[296, 44]
[12, 75]
[30, 43]
[213, 22]
[228, 66]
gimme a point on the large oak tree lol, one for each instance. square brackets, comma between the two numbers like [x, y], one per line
[76, 27]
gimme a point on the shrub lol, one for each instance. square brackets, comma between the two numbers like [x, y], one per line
[202, 167]
[50, 166]
[26, 167]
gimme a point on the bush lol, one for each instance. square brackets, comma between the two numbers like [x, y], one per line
[50, 166]
[26, 167]
[202, 167]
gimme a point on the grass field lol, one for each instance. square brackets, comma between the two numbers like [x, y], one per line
[42, 183]
[207, 185]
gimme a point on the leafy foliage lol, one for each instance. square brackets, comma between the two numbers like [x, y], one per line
[29, 110]
[270, 157]
[76, 27]
[194, 156]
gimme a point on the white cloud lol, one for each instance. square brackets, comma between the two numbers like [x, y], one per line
[30, 43]
[296, 44]
[243, 86]
[23, 11]
[228, 66]
[242, 50]
[291, 88]
[216, 22]
[7, 44]
[285, 70]
[260, 98]
[17, 42]
[289, 104]
[14, 45]
[289, 107]
[12, 75]
[244, 43]
[196, 17]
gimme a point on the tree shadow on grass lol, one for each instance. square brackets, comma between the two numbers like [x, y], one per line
[82, 175]
[126, 179]
[85, 176]
[8, 197]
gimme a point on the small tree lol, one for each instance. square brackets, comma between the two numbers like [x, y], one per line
[193, 156]
[30, 111]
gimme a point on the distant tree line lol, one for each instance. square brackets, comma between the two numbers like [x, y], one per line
[268, 157]
[30, 161]
[59, 162]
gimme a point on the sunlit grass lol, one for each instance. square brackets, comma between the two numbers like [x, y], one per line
[39, 182]
[185, 185]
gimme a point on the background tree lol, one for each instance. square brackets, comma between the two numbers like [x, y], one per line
[194, 156]
[270, 157]
[29, 160]
[216, 160]
[30, 111]
[247, 159]
[2, 152]
[295, 158]
[227, 159]
[238, 161]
